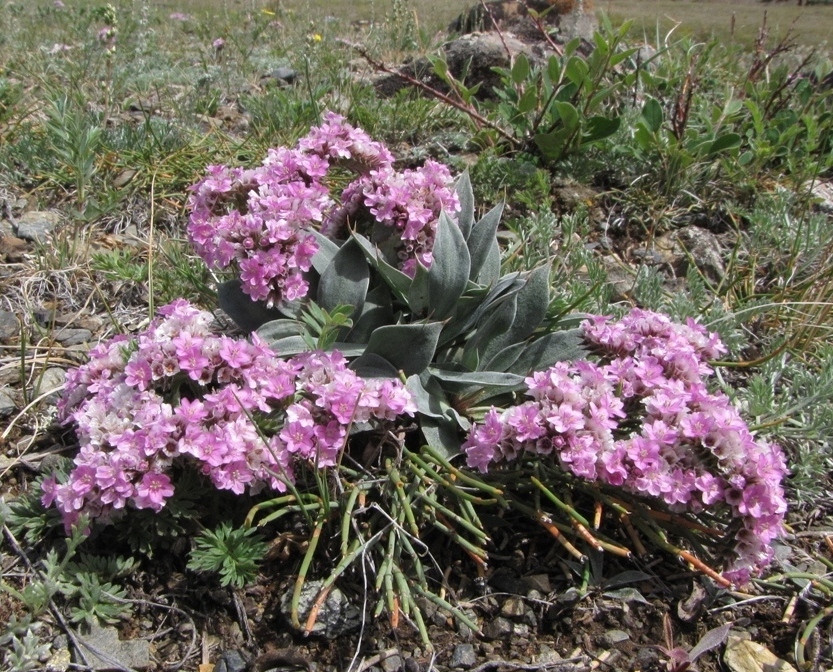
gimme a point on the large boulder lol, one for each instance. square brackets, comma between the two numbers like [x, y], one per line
[562, 19]
[472, 59]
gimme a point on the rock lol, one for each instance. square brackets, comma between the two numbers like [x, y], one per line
[539, 582]
[498, 628]
[463, 657]
[230, 661]
[68, 337]
[336, 616]
[506, 582]
[6, 228]
[513, 607]
[647, 657]
[392, 663]
[9, 325]
[44, 317]
[149, 105]
[51, 381]
[692, 243]
[124, 178]
[283, 74]
[743, 655]
[578, 23]
[59, 661]
[13, 249]
[513, 16]
[613, 637]
[37, 226]
[547, 655]
[520, 630]
[472, 58]
[822, 192]
[570, 196]
[105, 651]
[7, 402]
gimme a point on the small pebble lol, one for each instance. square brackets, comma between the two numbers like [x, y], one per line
[499, 628]
[463, 657]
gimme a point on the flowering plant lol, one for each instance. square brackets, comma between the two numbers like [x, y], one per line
[262, 219]
[642, 419]
[177, 393]
[387, 300]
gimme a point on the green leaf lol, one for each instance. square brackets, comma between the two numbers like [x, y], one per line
[440, 67]
[278, 329]
[551, 144]
[344, 282]
[623, 55]
[286, 346]
[644, 138]
[247, 314]
[490, 272]
[542, 353]
[289, 345]
[369, 365]
[327, 249]
[506, 357]
[441, 434]
[576, 70]
[395, 279]
[599, 97]
[723, 143]
[528, 102]
[478, 303]
[571, 46]
[456, 380]
[465, 194]
[498, 322]
[531, 303]
[449, 272]
[419, 293]
[568, 115]
[429, 397]
[554, 69]
[482, 237]
[746, 158]
[376, 312]
[732, 107]
[652, 114]
[599, 128]
[409, 347]
[520, 69]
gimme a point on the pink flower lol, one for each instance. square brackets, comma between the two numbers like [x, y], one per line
[152, 491]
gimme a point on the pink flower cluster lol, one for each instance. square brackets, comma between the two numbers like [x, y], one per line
[409, 203]
[260, 219]
[642, 418]
[178, 393]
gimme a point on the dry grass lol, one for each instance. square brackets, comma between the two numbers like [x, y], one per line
[811, 25]
[432, 15]
[698, 17]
